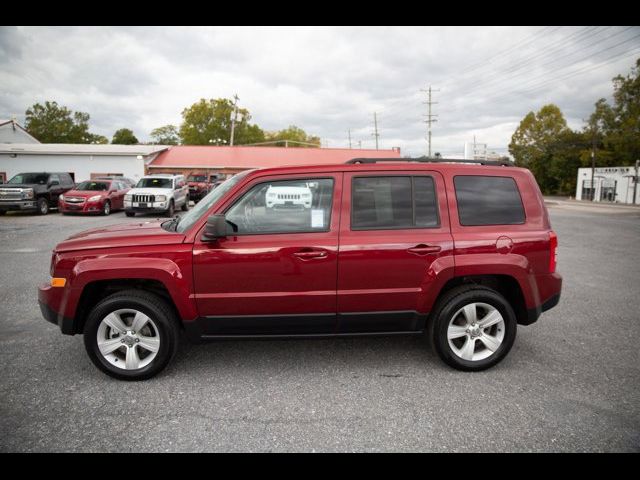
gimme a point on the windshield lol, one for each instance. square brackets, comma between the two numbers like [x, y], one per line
[197, 178]
[40, 178]
[207, 202]
[154, 183]
[93, 186]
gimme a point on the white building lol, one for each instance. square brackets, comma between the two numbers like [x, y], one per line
[82, 161]
[612, 184]
[11, 132]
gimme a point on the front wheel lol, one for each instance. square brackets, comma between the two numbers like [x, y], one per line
[43, 206]
[131, 335]
[106, 208]
[472, 328]
[171, 209]
[130, 214]
[185, 207]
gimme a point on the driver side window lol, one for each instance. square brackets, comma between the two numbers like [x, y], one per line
[286, 206]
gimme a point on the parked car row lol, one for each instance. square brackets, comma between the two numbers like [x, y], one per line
[39, 192]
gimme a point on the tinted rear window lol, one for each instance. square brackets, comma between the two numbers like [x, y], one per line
[488, 200]
[380, 203]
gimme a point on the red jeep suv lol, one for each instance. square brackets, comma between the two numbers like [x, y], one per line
[461, 252]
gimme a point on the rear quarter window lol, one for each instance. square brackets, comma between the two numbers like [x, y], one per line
[485, 200]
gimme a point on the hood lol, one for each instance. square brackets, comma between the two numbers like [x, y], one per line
[121, 235]
[150, 191]
[35, 186]
[86, 193]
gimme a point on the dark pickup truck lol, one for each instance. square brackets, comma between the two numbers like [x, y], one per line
[36, 192]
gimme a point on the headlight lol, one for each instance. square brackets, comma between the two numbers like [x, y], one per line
[128, 197]
[27, 193]
[95, 198]
[161, 198]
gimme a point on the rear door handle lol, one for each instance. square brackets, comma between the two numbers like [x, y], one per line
[309, 254]
[423, 249]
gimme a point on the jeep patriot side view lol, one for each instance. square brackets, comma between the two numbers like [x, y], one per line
[461, 252]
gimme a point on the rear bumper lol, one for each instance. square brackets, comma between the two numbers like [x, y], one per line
[49, 299]
[550, 286]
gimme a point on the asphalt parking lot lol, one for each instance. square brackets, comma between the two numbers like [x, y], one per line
[570, 383]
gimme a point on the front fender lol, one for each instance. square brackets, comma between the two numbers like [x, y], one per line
[164, 270]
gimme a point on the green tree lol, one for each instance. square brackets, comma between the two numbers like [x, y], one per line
[206, 121]
[94, 138]
[544, 144]
[616, 128]
[293, 134]
[51, 123]
[166, 135]
[124, 136]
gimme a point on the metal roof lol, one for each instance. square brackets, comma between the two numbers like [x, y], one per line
[207, 157]
[79, 149]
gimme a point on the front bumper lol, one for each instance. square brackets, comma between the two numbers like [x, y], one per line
[50, 300]
[18, 205]
[86, 207]
[149, 208]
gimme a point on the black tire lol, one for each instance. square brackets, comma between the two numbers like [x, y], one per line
[171, 210]
[450, 303]
[185, 207]
[130, 214]
[106, 208]
[151, 305]
[2, 212]
[43, 206]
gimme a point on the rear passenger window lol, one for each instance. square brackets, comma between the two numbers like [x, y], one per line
[380, 203]
[488, 200]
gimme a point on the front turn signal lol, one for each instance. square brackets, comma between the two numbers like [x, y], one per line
[58, 282]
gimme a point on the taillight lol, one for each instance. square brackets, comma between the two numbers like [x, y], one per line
[553, 251]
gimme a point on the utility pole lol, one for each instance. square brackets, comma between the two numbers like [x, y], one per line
[635, 184]
[360, 144]
[375, 124]
[430, 117]
[349, 138]
[593, 165]
[234, 119]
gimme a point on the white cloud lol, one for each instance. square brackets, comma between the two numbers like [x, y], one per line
[325, 80]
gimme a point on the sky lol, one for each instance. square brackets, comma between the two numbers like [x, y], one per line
[326, 80]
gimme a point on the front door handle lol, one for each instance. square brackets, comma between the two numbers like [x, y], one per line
[309, 254]
[423, 249]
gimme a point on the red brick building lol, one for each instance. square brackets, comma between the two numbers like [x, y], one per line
[224, 161]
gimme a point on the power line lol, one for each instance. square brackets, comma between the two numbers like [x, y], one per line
[497, 81]
[566, 75]
[522, 43]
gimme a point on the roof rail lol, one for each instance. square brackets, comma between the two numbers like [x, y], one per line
[501, 163]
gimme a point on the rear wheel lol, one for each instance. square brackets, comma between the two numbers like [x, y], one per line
[472, 328]
[43, 206]
[106, 208]
[131, 335]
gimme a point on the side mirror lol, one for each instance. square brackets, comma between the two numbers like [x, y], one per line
[216, 228]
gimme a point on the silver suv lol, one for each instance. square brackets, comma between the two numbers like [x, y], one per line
[157, 193]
